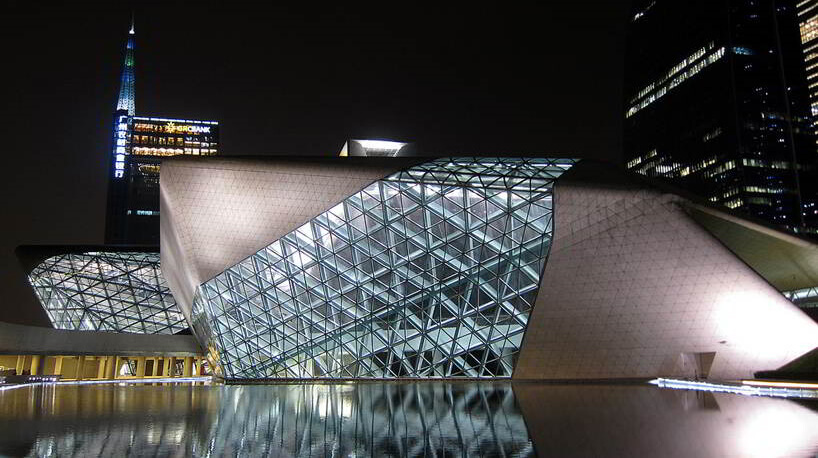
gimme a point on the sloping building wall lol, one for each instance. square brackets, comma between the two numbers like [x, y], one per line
[634, 287]
[217, 211]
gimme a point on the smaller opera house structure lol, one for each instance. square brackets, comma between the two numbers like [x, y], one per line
[476, 267]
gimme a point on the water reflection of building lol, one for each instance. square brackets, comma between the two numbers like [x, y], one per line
[408, 419]
[283, 420]
[373, 420]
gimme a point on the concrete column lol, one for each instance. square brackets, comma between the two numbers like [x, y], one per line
[58, 365]
[166, 365]
[35, 364]
[188, 366]
[101, 368]
[140, 367]
[80, 367]
[110, 366]
[155, 372]
[117, 366]
[21, 364]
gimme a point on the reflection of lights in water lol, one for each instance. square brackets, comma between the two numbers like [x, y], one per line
[127, 382]
[12, 387]
[745, 389]
[153, 435]
[778, 431]
[346, 407]
[177, 434]
[407, 419]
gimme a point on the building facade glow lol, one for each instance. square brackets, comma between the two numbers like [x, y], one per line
[107, 291]
[429, 272]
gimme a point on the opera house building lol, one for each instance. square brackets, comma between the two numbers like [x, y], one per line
[463, 267]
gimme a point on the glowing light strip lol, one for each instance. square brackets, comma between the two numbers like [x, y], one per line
[683, 71]
[381, 145]
[139, 380]
[809, 386]
[733, 389]
[11, 387]
[206, 379]
[189, 121]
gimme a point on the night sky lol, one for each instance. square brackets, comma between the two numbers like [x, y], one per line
[295, 80]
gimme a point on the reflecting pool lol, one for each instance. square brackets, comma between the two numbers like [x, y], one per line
[400, 419]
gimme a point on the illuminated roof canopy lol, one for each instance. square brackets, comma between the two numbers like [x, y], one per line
[386, 148]
[107, 291]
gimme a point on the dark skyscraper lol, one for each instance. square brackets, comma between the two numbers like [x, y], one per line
[717, 101]
[139, 144]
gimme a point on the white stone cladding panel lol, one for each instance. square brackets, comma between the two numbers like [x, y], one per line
[218, 211]
[632, 282]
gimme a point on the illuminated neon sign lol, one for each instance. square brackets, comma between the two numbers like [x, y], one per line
[119, 149]
[173, 128]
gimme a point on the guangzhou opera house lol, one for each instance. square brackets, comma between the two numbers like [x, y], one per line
[409, 267]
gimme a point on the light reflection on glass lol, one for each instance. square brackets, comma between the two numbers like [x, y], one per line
[400, 419]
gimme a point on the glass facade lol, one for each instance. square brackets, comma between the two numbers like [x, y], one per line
[806, 299]
[117, 292]
[430, 272]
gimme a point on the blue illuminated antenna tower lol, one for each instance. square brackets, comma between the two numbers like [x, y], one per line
[125, 108]
[126, 90]
[121, 144]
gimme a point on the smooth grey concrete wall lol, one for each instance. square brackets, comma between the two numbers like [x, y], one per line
[17, 339]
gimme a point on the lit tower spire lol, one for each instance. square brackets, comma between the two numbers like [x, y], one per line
[126, 90]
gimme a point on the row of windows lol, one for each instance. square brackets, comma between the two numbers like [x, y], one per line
[729, 165]
[638, 160]
[809, 29]
[147, 151]
[661, 87]
[144, 212]
[701, 165]
[711, 135]
[178, 141]
[767, 164]
[753, 189]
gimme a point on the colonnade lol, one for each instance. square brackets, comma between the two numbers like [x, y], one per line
[82, 367]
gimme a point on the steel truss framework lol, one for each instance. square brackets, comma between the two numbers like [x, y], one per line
[430, 272]
[110, 291]
[803, 298]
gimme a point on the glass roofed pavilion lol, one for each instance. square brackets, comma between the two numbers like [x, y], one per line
[115, 289]
[531, 268]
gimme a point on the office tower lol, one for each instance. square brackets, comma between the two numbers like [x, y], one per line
[139, 145]
[808, 25]
[717, 101]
